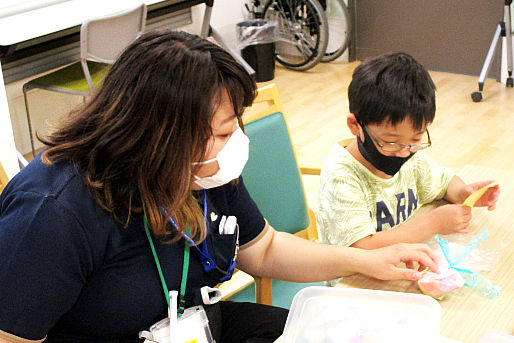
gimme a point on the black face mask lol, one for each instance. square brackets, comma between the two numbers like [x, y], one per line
[387, 164]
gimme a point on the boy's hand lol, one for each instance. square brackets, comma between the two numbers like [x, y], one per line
[388, 263]
[451, 218]
[489, 198]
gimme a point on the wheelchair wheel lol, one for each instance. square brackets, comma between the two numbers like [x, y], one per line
[339, 28]
[303, 32]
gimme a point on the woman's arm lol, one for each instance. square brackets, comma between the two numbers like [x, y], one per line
[283, 256]
[6, 337]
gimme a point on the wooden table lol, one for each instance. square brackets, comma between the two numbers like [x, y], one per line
[466, 314]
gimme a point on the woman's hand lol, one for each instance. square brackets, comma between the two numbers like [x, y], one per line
[398, 262]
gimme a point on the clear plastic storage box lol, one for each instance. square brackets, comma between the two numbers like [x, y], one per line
[326, 314]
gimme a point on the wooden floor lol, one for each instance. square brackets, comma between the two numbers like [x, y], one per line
[463, 132]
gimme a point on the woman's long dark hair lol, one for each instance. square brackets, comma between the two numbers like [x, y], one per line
[136, 139]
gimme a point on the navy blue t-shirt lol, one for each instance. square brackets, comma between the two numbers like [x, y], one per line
[69, 270]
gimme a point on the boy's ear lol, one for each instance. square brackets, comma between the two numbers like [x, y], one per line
[352, 123]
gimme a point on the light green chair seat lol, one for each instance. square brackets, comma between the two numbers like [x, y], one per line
[71, 79]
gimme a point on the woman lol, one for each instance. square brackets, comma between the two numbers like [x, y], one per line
[147, 162]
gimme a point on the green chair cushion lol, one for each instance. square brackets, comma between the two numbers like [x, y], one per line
[71, 78]
[272, 176]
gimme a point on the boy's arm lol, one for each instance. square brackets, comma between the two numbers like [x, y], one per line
[443, 220]
[457, 191]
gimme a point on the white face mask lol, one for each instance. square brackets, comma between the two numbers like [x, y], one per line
[231, 160]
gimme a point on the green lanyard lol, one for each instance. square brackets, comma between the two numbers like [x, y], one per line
[185, 268]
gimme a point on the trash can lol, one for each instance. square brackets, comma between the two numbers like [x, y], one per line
[256, 40]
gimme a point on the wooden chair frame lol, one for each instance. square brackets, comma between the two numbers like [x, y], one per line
[3, 178]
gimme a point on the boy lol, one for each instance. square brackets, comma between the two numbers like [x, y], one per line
[375, 183]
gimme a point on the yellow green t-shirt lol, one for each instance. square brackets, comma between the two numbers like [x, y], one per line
[355, 203]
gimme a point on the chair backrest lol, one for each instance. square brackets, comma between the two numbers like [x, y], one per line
[272, 175]
[103, 39]
[3, 178]
[273, 179]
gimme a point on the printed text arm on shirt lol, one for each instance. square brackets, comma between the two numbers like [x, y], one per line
[283, 256]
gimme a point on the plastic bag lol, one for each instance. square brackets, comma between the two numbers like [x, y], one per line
[253, 32]
[471, 277]
[482, 258]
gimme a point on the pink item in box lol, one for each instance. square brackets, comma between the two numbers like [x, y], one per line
[437, 285]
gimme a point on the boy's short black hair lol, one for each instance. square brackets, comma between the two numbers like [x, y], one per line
[391, 88]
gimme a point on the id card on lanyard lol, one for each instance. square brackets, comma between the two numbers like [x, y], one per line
[191, 327]
[182, 325]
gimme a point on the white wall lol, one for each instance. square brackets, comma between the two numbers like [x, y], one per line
[225, 15]
[7, 148]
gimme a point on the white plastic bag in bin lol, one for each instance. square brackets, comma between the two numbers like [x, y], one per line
[253, 32]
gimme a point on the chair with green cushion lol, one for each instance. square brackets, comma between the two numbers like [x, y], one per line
[101, 41]
[274, 181]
